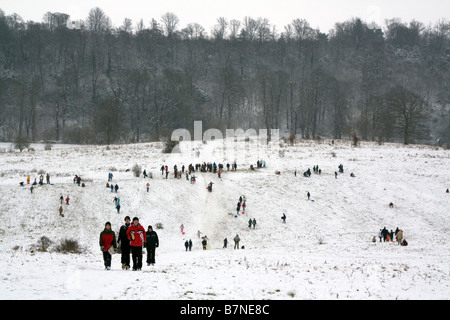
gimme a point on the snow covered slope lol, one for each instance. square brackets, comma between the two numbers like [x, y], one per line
[324, 251]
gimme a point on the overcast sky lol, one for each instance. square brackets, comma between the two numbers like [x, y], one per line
[322, 14]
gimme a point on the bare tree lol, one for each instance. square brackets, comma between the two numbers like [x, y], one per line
[98, 21]
[410, 113]
[170, 22]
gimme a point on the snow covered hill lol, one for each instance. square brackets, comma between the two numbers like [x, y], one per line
[323, 251]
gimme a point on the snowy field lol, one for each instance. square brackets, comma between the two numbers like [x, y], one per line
[323, 251]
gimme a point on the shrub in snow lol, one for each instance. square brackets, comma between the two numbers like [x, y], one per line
[136, 170]
[43, 244]
[69, 246]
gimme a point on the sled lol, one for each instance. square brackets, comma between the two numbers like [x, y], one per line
[235, 216]
[183, 233]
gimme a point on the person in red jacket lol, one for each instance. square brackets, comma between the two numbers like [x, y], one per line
[107, 241]
[137, 236]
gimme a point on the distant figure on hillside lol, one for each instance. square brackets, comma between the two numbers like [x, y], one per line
[308, 195]
[48, 178]
[352, 175]
[283, 218]
[380, 234]
[190, 244]
[210, 187]
[61, 211]
[186, 245]
[236, 241]
[391, 205]
[238, 208]
[341, 168]
[399, 236]
[225, 243]
[67, 200]
[447, 191]
[148, 186]
[254, 223]
[204, 243]
[384, 232]
[335, 174]
[250, 223]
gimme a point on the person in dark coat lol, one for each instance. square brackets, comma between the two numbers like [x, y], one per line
[186, 245]
[384, 232]
[125, 244]
[283, 218]
[152, 244]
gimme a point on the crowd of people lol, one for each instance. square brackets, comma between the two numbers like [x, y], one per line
[132, 237]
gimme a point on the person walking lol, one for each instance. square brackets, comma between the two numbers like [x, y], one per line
[125, 244]
[380, 235]
[254, 223]
[225, 243]
[137, 236]
[186, 245]
[61, 211]
[190, 244]
[151, 245]
[236, 241]
[250, 223]
[204, 243]
[308, 195]
[107, 244]
[148, 187]
[283, 218]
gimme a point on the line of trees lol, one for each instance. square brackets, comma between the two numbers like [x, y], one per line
[98, 83]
